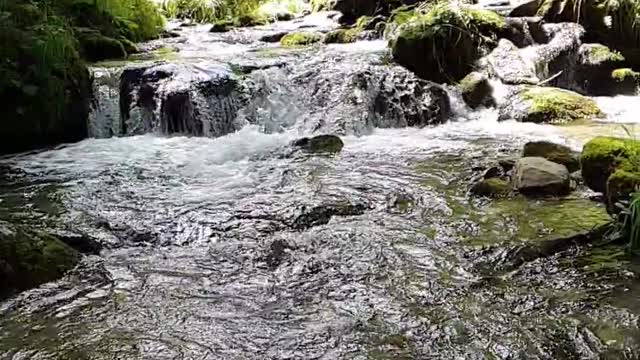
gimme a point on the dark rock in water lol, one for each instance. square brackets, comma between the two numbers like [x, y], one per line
[320, 144]
[322, 214]
[80, 242]
[557, 153]
[221, 26]
[353, 9]
[537, 176]
[29, 258]
[180, 98]
[476, 90]
[273, 38]
[96, 47]
[507, 164]
[493, 187]
[524, 31]
[548, 105]
[284, 16]
[277, 252]
[494, 172]
[524, 8]
[167, 34]
[596, 64]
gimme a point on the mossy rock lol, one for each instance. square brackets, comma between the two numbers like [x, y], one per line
[301, 38]
[320, 144]
[492, 187]
[556, 106]
[556, 153]
[221, 26]
[97, 47]
[595, 67]
[476, 90]
[253, 19]
[625, 81]
[597, 54]
[29, 258]
[342, 36]
[129, 46]
[602, 156]
[444, 44]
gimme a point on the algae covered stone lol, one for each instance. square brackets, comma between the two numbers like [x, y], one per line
[29, 258]
[444, 44]
[602, 156]
[625, 81]
[556, 153]
[537, 176]
[320, 144]
[342, 36]
[476, 90]
[492, 187]
[301, 38]
[549, 105]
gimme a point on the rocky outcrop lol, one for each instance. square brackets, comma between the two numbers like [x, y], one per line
[536, 176]
[476, 90]
[548, 105]
[556, 153]
[436, 45]
[170, 98]
[29, 258]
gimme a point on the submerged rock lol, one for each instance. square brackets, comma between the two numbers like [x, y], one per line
[320, 144]
[322, 214]
[537, 176]
[29, 258]
[301, 38]
[476, 90]
[436, 45]
[548, 105]
[557, 153]
[611, 166]
[492, 187]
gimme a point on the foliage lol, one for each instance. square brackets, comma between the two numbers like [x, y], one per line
[210, 11]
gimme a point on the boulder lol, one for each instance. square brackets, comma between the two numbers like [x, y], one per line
[476, 90]
[300, 38]
[97, 47]
[352, 10]
[437, 46]
[330, 144]
[273, 38]
[29, 258]
[342, 36]
[506, 63]
[524, 31]
[596, 64]
[492, 188]
[537, 176]
[221, 26]
[548, 105]
[603, 156]
[523, 8]
[557, 153]
[625, 81]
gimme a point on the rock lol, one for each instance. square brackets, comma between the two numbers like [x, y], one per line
[524, 31]
[596, 64]
[436, 47]
[322, 214]
[342, 36]
[523, 8]
[557, 153]
[507, 164]
[354, 9]
[555, 61]
[494, 172]
[284, 16]
[476, 90]
[97, 47]
[492, 187]
[625, 81]
[536, 176]
[251, 19]
[300, 38]
[548, 105]
[272, 38]
[166, 34]
[79, 242]
[611, 166]
[506, 63]
[370, 23]
[320, 144]
[29, 258]
[221, 26]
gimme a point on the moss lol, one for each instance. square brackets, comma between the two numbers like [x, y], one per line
[598, 53]
[320, 144]
[251, 19]
[557, 106]
[602, 156]
[620, 75]
[96, 47]
[559, 154]
[301, 38]
[494, 187]
[342, 36]
[29, 258]
[443, 44]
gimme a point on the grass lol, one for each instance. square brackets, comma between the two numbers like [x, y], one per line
[210, 11]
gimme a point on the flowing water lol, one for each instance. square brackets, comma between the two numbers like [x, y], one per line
[214, 249]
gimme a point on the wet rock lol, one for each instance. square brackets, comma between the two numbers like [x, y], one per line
[167, 34]
[221, 26]
[342, 36]
[180, 98]
[548, 105]
[493, 188]
[624, 81]
[96, 47]
[276, 253]
[506, 63]
[476, 90]
[507, 164]
[29, 258]
[300, 38]
[322, 214]
[435, 47]
[611, 166]
[524, 8]
[400, 202]
[273, 38]
[352, 10]
[536, 176]
[320, 144]
[595, 67]
[79, 242]
[494, 172]
[284, 16]
[557, 153]
[555, 61]
[524, 31]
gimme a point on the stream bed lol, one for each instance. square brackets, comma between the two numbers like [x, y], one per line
[221, 246]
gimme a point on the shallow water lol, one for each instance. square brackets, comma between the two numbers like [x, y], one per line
[207, 254]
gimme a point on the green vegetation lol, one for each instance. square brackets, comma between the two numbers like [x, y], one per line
[342, 36]
[443, 44]
[621, 75]
[598, 53]
[603, 156]
[301, 38]
[557, 106]
[238, 12]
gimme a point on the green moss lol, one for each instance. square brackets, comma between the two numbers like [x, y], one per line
[598, 53]
[96, 47]
[443, 44]
[342, 36]
[602, 156]
[301, 38]
[494, 187]
[621, 75]
[557, 106]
